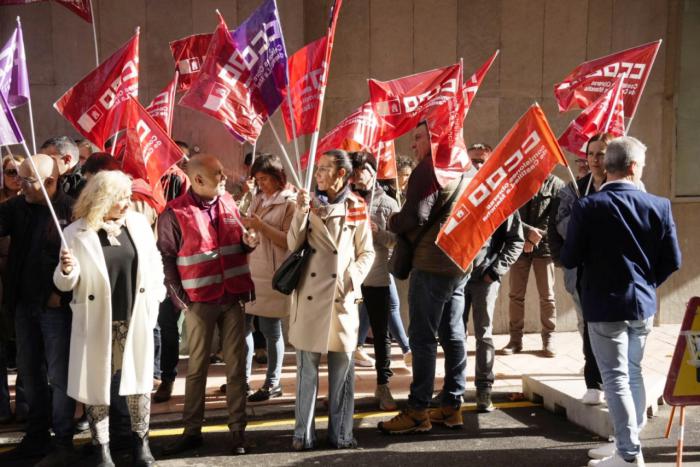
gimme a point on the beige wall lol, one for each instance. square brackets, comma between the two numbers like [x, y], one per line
[540, 42]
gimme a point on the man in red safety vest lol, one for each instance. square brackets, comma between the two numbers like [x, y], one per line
[205, 256]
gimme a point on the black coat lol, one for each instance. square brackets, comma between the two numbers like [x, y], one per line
[33, 254]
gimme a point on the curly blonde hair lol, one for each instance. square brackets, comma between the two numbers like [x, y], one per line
[102, 192]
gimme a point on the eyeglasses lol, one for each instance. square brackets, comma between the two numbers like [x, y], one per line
[10, 172]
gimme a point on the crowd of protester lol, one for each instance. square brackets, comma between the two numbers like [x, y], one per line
[95, 321]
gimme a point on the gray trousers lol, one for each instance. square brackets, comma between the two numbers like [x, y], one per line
[341, 393]
[480, 297]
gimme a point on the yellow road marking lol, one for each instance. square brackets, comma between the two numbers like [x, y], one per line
[162, 432]
[324, 418]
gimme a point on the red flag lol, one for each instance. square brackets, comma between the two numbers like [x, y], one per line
[471, 87]
[509, 178]
[93, 105]
[358, 130]
[385, 153]
[588, 81]
[605, 115]
[149, 151]
[449, 152]
[189, 56]
[79, 7]
[306, 85]
[162, 106]
[402, 103]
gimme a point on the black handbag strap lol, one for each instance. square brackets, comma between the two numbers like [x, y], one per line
[435, 215]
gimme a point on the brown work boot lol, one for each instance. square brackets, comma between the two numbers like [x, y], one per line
[451, 417]
[406, 422]
[511, 348]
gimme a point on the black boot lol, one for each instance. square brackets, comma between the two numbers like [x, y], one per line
[104, 456]
[142, 456]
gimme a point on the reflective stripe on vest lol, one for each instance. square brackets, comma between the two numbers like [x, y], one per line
[208, 255]
[216, 278]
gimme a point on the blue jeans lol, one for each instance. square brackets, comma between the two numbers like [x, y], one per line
[436, 305]
[396, 329]
[619, 348]
[480, 299]
[271, 328]
[341, 393]
[43, 345]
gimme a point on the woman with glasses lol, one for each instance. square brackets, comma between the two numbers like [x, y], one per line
[10, 176]
[586, 185]
[324, 317]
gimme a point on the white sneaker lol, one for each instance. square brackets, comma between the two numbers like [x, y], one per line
[362, 359]
[593, 397]
[617, 461]
[602, 451]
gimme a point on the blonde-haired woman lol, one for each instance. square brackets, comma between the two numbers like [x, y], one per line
[116, 274]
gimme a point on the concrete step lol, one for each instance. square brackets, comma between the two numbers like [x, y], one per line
[562, 394]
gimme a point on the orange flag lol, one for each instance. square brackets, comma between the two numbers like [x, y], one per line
[509, 178]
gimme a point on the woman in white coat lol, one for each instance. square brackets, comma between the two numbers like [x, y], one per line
[324, 318]
[116, 274]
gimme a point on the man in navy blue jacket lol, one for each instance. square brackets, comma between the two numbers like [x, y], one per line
[624, 243]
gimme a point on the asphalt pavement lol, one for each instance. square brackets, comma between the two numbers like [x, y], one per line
[516, 434]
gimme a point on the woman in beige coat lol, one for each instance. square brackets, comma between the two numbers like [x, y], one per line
[324, 318]
[271, 213]
[116, 274]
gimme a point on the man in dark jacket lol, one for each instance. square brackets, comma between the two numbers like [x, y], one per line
[436, 302]
[624, 240]
[494, 259]
[42, 314]
[536, 255]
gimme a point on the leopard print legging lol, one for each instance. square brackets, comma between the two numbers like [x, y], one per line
[139, 405]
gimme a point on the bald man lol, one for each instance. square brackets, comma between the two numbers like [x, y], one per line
[42, 315]
[205, 256]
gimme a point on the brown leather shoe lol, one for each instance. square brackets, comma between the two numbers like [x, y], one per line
[164, 392]
[548, 349]
[511, 348]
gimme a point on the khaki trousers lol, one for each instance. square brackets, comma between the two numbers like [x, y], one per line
[544, 278]
[201, 318]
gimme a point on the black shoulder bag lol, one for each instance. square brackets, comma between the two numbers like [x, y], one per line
[286, 277]
[401, 261]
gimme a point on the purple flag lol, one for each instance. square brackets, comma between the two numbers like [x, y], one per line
[9, 130]
[262, 54]
[14, 80]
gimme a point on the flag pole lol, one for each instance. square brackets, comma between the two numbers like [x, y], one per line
[573, 180]
[294, 127]
[29, 97]
[172, 104]
[46, 195]
[284, 153]
[94, 35]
